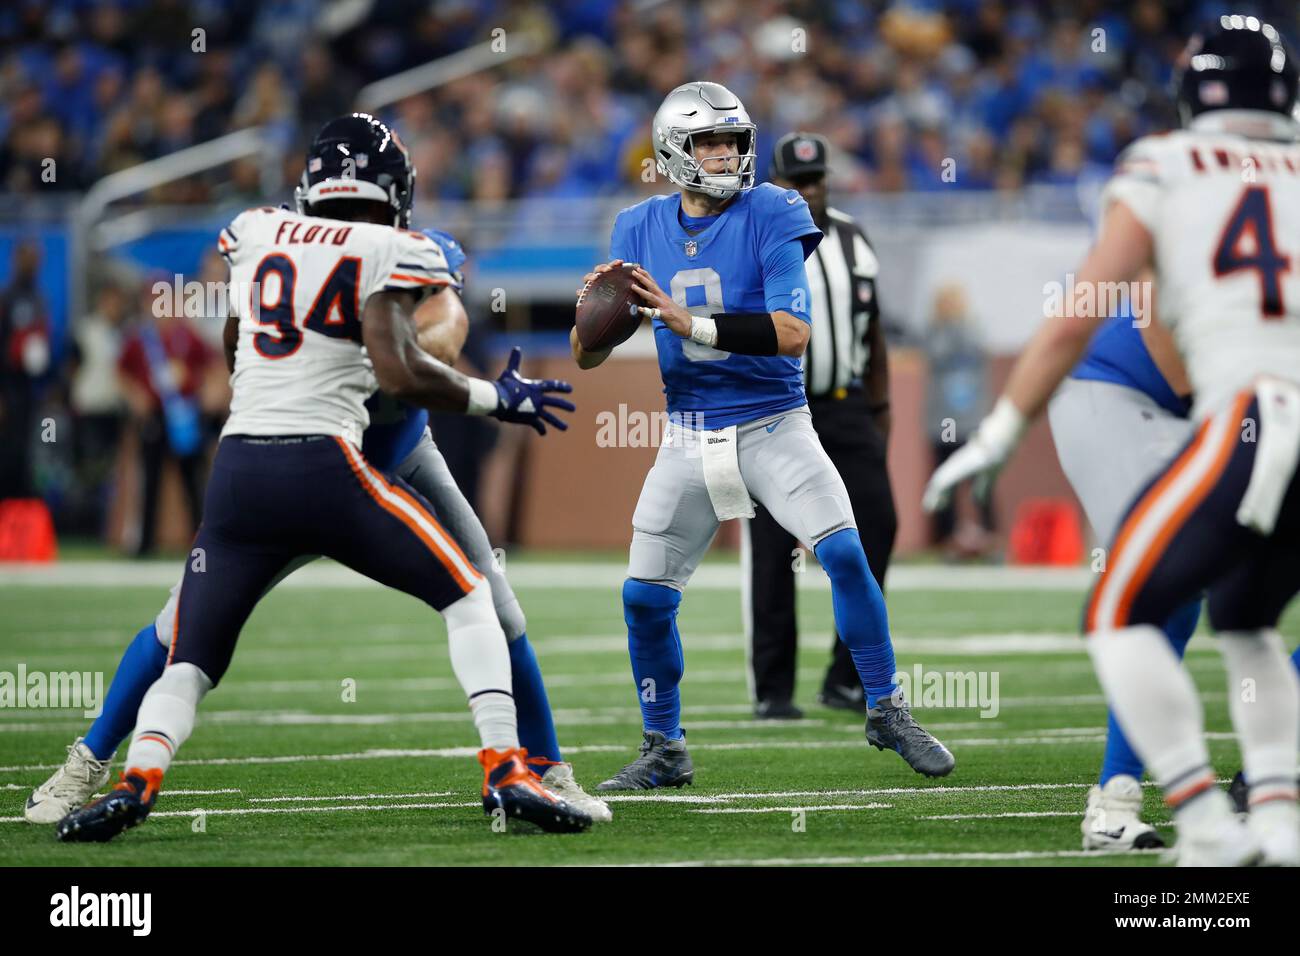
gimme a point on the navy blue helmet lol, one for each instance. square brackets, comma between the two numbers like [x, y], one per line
[1240, 63]
[358, 157]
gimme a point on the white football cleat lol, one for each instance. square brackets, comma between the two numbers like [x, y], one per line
[71, 787]
[1216, 838]
[1276, 828]
[1112, 821]
[560, 781]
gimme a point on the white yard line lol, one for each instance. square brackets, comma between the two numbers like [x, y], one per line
[461, 752]
[407, 644]
[557, 574]
[756, 724]
[812, 809]
[890, 858]
[423, 684]
[734, 676]
[660, 797]
[675, 797]
[1000, 816]
[350, 796]
[569, 714]
[246, 811]
[298, 719]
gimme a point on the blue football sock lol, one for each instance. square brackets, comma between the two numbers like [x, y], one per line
[536, 726]
[1120, 757]
[655, 647]
[860, 616]
[141, 665]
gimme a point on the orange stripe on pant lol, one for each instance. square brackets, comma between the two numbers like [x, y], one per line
[1155, 551]
[406, 496]
[356, 463]
[176, 625]
[1186, 793]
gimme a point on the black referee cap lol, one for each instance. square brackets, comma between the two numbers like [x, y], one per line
[799, 154]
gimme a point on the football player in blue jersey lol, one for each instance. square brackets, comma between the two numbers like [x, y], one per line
[730, 331]
[399, 442]
[1116, 421]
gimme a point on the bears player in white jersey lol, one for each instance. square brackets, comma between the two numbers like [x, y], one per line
[1215, 210]
[327, 319]
[729, 335]
[399, 442]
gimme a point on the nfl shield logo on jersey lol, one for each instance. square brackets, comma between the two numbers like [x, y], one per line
[691, 248]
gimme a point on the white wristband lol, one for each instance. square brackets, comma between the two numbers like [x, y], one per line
[483, 397]
[704, 331]
[1000, 432]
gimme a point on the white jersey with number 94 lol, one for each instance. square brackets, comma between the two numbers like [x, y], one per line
[1221, 200]
[298, 286]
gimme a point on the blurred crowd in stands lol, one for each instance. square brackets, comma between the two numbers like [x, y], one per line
[913, 95]
[1015, 91]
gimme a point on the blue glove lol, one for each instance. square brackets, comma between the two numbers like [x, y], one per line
[524, 400]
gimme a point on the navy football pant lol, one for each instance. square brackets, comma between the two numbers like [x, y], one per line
[1181, 536]
[270, 501]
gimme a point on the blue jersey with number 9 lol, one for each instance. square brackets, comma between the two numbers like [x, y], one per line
[747, 259]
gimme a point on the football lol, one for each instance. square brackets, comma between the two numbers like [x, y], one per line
[607, 313]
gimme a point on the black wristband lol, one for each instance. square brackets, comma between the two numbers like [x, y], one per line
[746, 333]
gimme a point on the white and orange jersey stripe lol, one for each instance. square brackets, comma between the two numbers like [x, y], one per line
[1162, 512]
[419, 265]
[405, 508]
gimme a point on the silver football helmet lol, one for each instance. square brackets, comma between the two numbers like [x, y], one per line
[692, 110]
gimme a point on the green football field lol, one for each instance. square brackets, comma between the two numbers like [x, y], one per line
[285, 768]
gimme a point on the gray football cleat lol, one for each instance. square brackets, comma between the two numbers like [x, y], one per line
[70, 788]
[662, 763]
[560, 781]
[891, 726]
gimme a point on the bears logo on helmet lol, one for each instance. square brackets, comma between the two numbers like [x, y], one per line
[359, 157]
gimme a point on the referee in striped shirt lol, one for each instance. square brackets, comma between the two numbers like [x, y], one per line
[846, 375]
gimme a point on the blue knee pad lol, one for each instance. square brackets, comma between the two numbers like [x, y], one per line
[655, 647]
